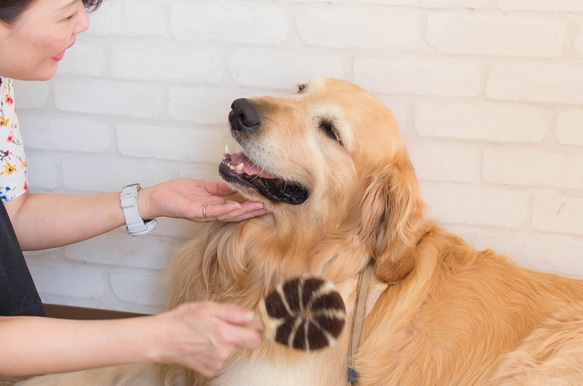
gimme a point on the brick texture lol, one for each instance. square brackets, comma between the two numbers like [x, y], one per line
[239, 23]
[558, 213]
[368, 30]
[488, 95]
[537, 83]
[419, 77]
[488, 122]
[496, 35]
[172, 64]
[533, 168]
[570, 127]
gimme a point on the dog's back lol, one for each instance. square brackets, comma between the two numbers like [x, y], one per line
[468, 317]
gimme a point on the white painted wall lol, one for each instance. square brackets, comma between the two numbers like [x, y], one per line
[488, 93]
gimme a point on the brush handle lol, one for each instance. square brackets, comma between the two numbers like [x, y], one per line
[256, 323]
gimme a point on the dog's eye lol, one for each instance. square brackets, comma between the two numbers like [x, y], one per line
[328, 128]
[301, 88]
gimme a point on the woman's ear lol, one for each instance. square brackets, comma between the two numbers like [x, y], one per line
[391, 218]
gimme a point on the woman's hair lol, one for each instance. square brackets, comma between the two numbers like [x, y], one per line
[10, 10]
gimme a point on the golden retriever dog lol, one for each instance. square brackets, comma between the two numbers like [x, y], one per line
[331, 167]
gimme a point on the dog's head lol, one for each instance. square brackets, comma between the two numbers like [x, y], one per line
[332, 156]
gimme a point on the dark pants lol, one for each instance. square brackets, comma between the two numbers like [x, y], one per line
[18, 295]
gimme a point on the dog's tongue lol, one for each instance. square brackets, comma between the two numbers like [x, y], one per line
[249, 167]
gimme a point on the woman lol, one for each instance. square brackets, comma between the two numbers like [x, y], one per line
[34, 36]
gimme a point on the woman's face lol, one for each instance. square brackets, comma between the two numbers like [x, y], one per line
[33, 45]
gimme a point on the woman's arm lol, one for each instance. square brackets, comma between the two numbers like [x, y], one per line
[44, 221]
[200, 336]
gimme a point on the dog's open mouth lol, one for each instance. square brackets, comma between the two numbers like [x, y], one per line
[238, 168]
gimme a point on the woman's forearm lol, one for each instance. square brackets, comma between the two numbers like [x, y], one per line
[200, 336]
[50, 220]
[44, 221]
[43, 345]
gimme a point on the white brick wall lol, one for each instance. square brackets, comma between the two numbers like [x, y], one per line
[365, 29]
[488, 93]
[459, 33]
[543, 83]
[419, 76]
[570, 127]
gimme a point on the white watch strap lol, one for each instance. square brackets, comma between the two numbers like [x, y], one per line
[129, 203]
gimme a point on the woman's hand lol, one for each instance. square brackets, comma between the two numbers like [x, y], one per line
[202, 336]
[195, 200]
[43, 221]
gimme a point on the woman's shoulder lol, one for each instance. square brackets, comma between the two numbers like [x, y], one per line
[13, 181]
[5, 85]
[7, 110]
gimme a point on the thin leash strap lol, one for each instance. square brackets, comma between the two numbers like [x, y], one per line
[358, 319]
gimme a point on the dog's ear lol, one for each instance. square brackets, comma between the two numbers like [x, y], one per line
[392, 213]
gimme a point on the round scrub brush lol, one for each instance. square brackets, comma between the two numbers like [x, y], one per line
[305, 313]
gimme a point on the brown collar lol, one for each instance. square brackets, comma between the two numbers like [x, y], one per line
[358, 318]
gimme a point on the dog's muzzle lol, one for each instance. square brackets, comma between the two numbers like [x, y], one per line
[239, 168]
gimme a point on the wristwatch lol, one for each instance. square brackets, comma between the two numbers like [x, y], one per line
[129, 203]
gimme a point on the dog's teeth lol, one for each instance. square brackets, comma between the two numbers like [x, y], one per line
[227, 150]
[240, 167]
[232, 167]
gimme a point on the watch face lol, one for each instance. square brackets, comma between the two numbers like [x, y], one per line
[135, 186]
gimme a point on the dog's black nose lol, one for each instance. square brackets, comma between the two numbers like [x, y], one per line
[244, 116]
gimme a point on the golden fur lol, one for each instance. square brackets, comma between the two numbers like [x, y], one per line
[439, 312]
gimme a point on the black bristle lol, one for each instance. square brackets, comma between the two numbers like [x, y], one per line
[332, 325]
[300, 337]
[317, 339]
[284, 331]
[329, 301]
[291, 290]
[275, 307]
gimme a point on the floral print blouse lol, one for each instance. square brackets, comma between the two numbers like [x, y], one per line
[13, 181]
